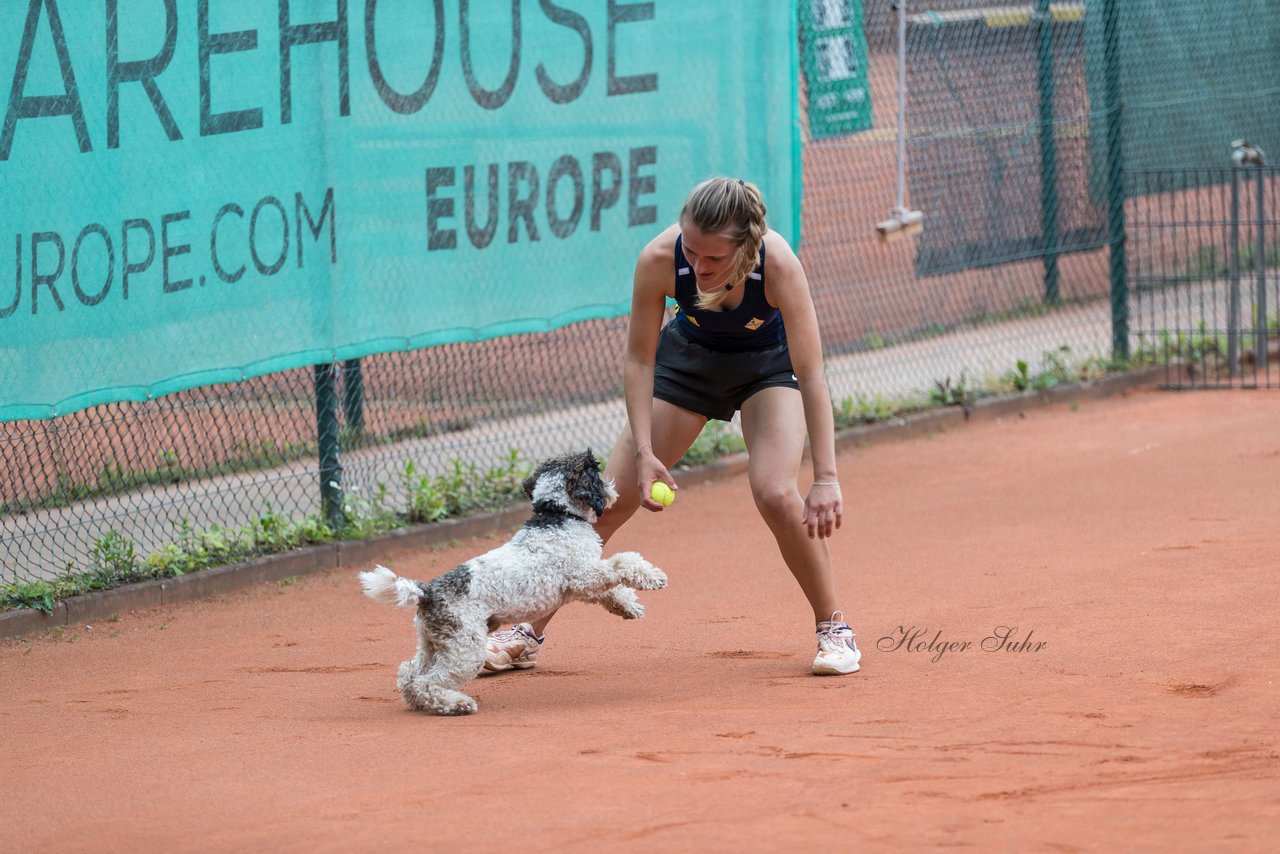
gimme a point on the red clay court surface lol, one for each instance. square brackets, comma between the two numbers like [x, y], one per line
[1135, 538]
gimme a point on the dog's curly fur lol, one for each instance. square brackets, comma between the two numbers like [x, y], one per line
[555, 558]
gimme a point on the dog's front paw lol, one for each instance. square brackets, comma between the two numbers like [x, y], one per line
[650, 578]
[623, 602]
[637, 572]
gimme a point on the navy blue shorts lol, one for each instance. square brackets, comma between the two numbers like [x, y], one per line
[715, 383]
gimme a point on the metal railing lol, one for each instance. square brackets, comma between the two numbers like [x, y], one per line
[1206, 268]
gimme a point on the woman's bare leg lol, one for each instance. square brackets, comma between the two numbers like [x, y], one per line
[774, 427]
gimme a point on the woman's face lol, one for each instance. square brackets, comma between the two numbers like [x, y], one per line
[712, 256]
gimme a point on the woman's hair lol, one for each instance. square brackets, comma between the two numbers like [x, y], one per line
[733, 209]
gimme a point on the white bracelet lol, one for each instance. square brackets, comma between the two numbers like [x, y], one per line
[642, 447]
[826, 483]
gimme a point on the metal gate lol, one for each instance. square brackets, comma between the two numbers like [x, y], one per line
[1205, 267]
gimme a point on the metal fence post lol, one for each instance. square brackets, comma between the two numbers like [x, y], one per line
[1233, 277]
[1048, 153]
[1261, 344]
[1115, 188]
[327, 438]
[353, 396]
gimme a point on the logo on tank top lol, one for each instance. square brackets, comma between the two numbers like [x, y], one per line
[754, 324]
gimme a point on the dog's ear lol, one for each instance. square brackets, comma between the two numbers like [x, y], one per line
[530, 482]
[588, 486]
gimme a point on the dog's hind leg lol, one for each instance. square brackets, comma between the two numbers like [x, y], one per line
[434, 690]
[407, 684]
[427, 685]
[459, 658]
[409, 680]
[435, 695]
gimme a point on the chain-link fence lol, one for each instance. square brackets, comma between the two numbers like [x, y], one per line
[1002, 122]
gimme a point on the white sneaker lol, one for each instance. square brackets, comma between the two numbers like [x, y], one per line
[513, 649]
[837, 652]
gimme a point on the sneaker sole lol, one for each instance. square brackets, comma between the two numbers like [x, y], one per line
[515, 665]
[832, 670]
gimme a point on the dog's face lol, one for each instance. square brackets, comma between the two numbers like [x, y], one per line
[571, 484]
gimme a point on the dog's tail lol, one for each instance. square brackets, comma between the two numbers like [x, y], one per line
[382, 585]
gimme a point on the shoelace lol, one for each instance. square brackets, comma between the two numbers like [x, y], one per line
[832, 637]
[512, 633]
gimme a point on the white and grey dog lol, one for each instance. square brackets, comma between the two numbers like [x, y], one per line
[555, 558]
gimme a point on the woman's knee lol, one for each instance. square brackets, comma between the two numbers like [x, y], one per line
[777, 501]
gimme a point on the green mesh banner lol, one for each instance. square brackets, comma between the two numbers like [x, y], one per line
[196, 191]
[1193, 78]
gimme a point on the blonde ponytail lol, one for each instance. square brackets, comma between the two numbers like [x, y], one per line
[735, 210]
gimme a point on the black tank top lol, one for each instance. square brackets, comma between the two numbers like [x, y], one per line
[753, 325]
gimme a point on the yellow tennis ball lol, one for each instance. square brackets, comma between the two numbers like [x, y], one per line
[662, 493]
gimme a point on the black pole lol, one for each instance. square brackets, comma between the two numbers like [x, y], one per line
[327, 438]
[353, 396]
[1261, 345]
[1233, 277]
[1048, 154]
[1115, 177]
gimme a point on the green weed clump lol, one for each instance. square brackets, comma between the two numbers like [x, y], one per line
[1057, 367]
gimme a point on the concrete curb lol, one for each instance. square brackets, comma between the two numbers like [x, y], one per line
[362, 554]
[938, 420]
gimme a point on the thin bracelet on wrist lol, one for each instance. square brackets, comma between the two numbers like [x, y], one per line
[642, 447]
[826, 483]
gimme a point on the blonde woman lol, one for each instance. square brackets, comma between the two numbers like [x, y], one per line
[744, 339]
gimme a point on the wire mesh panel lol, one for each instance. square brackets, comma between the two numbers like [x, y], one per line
[213, 456]
[233, 458]
[998, 96]
[1206, 269]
